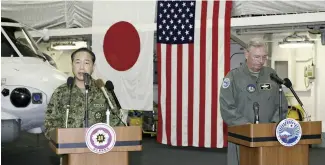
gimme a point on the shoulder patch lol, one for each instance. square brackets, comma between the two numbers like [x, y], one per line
[226, 83]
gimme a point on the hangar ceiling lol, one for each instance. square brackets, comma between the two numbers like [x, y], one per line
[78, 14]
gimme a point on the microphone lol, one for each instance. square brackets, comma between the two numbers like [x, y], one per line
[275, 78]
[69, 83]
[288, 84]
[100, 84]
[86, 80]
[110, 87]
[256, 108]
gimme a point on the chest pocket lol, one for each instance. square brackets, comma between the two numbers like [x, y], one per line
[98, 110]
[98, 104]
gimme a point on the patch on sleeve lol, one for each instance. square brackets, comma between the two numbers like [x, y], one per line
[226, 83]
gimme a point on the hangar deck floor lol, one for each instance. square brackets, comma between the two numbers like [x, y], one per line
[26, 152]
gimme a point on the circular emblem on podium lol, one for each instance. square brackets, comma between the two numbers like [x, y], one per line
[100, 138]
[288, 132]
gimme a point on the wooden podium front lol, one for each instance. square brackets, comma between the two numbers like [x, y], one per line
[70, 143]
[259, 145]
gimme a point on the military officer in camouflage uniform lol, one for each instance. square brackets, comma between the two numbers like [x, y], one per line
[82, 61]
[248, 84]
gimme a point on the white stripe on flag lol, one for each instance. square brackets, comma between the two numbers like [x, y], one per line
[185, 95]
[196, 93]
[221, 69]
[173, 110]
[163, 92]
[208, 86]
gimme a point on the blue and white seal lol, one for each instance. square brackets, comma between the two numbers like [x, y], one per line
[288, 132]
[251, 88]
[100, 138]
[226, 83]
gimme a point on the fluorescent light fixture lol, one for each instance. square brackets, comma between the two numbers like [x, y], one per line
[69, 45]
[296, 44]
[296, 41]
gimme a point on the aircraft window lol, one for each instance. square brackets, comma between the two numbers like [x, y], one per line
[6, 48]
[19, 37]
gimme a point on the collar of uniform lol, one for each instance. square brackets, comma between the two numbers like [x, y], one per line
[92, 86]
[246, 70]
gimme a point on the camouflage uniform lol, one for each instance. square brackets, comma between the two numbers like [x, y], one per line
[97, 106]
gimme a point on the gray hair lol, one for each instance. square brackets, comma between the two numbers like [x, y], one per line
[256, 42]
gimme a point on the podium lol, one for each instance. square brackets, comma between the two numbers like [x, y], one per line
[70, 144]
[258, 144]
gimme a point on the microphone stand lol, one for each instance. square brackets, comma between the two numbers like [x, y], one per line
[68, 108]
[256, 112]
[300, 103]
[108, 112]
[256, 119]
[280, 102]
[288, 84]
[86, 109]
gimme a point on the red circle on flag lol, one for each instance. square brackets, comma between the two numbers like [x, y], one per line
[121, 46]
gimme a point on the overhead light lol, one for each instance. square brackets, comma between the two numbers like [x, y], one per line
[296, 44]
[295, 41]
[70, 45]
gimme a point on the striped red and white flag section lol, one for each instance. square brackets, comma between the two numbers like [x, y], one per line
[189, 77]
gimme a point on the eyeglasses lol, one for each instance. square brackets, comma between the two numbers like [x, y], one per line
[260, 58]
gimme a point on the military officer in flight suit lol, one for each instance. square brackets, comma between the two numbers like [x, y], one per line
[245, 85]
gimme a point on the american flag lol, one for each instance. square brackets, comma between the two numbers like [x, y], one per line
[193, 51]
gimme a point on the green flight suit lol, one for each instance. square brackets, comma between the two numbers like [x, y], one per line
[55, 116]
[240, 89]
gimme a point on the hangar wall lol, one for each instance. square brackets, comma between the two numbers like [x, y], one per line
[296, 60]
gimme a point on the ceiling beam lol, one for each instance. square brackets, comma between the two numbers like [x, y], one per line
[236, 23]
[278, 20]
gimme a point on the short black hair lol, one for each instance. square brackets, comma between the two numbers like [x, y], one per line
[84, 50]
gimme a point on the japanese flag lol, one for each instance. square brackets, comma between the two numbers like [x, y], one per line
[123, 41]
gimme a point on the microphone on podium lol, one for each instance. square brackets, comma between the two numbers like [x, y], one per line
[69, 84]
[110, 87]
[256, 108]
[87, 80]
[288, 84]
[100, 84]
[277, 79]
[86, 77]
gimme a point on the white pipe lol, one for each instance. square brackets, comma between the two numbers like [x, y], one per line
[278, 20]
[314, 85]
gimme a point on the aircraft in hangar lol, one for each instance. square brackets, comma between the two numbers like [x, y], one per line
[28, 79]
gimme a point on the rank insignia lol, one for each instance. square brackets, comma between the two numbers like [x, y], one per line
[265, 86]
[98, 115]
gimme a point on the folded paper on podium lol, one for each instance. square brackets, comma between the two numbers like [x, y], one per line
[70, 143]
[259, 144]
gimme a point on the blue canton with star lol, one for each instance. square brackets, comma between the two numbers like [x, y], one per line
[175, 22]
